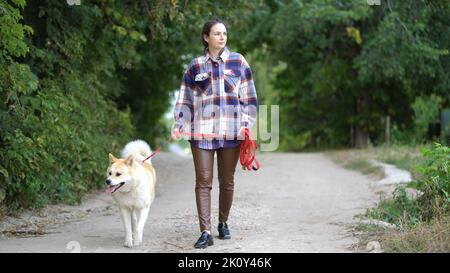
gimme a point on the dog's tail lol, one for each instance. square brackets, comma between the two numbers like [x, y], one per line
[139, 149]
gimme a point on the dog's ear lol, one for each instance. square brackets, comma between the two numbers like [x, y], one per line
[112, 159]
[129, 160]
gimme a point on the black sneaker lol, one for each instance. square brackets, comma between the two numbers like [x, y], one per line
[224, 232]
[204, 241]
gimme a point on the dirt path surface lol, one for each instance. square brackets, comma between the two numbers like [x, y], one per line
[297, 202]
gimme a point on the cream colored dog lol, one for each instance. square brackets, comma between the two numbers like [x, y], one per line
[132, 185]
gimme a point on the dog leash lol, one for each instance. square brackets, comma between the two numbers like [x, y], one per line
[165, 142]
[157, 150]
[247, 150]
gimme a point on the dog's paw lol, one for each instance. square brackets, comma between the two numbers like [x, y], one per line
[137, 238]
[137, 242]
[128, 243]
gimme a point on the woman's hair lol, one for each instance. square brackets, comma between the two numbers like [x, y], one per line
[207, 29]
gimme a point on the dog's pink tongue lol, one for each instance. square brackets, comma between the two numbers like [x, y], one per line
[110, 189]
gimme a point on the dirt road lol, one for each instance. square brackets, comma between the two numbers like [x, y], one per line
[297, 202]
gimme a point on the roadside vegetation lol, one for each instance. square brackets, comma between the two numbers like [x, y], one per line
[422, 221]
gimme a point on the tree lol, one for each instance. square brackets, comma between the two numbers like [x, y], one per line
[350, 64]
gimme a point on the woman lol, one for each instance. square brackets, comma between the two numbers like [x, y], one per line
[217, 101]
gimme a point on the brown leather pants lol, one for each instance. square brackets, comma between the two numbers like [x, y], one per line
[227, 159]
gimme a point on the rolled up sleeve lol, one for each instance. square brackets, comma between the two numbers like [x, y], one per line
[184, 108]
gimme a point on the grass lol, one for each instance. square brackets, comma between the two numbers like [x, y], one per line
[365, 167]
[433, 236]
[399, 210]
[413, 232]
[425, 237]
[404, 157]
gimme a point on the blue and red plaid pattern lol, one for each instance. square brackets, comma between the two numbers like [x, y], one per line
[216, 97]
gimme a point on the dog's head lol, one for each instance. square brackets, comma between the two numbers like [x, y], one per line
[119, 174]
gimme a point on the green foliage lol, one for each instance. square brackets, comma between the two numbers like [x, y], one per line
[400, 210]
[426, 111]
[349, 65]
[434, 182]
[57, 121]
[12, 32]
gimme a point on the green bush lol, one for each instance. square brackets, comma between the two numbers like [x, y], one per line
[55, 143]
[434, 182]
[426, 111]
[400, 210]
[56, 128]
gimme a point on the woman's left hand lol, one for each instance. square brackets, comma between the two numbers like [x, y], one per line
[241, 134]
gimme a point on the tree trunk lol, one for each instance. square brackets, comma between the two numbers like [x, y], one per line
[361, 137]
[387, 131]
[361, 132]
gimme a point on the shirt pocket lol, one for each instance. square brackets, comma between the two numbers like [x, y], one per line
[232, 79]
[203, 84]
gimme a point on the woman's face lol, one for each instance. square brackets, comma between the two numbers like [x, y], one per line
[217, 38]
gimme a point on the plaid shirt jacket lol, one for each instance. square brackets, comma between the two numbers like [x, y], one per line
[216, 97]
